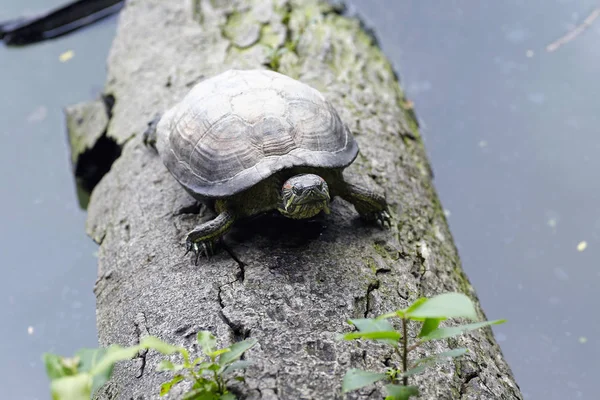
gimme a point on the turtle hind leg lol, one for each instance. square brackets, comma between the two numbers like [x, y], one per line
[204, 237]
[149, 135]
[370, 205]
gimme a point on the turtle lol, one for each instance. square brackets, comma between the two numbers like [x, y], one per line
[246, 142]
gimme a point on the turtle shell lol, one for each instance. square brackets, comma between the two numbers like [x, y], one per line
[236, 129]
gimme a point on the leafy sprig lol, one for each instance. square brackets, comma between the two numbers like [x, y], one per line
[78, 377]
[429, 312]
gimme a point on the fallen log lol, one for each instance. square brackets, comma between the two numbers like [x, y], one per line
[291, 285]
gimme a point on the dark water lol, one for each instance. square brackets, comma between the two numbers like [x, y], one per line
[512, 132]
[48, 263]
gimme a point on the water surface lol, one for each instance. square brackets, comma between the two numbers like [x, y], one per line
[48, 263]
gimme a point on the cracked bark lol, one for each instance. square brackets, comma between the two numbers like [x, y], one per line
[142, 332]
[290, 284]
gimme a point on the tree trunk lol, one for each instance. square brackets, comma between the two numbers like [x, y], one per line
[291, 285]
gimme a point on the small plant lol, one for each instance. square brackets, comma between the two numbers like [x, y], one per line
[210, 376]
[275, 54]
[429, 313]
[78, 377]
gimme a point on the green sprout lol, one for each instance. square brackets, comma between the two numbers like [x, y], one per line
[429, 313]
[78, 377]
[210, 376]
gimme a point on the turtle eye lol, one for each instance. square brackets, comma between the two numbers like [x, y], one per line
[295, 190]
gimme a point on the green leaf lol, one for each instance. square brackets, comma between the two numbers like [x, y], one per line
[447, 305]
[152, 342]
[166, 365]
[368, 325]
[237, 349]
[398, 313]
[213, 367]
[357, 378]
[207, 341]
[452, 353]
[430, 324]
[390, 335]
[443, 333]
[228, 396]
[58, 367]
[166, 387]
[217, 353]
[99, 379]
[421, 364]
[236, 365]
[93, 361]
[201, 394]
[416, 304]
[399, 392]
[76, 387]
[112, 355]
[445, 356]
[198, 360]
[90, 357]
[205, 365]
[413, 371]
[371, 325]
[90, 360]
[204, 384]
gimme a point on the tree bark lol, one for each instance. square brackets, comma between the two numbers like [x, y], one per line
[291, 285]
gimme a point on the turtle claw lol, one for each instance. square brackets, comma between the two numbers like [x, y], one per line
[149, 135]
[198, 248]
[384, 218]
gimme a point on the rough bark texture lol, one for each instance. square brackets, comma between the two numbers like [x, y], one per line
[289, 284]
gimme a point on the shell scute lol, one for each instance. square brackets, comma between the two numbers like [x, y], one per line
[238, 128]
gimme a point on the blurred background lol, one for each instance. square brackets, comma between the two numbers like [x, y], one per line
[511, 127]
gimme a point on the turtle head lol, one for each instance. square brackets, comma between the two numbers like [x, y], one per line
[304, 196]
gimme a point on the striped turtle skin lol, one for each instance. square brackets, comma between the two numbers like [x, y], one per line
[240, 127]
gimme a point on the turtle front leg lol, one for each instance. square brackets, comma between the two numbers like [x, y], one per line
[370, 205]
[203, 238]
